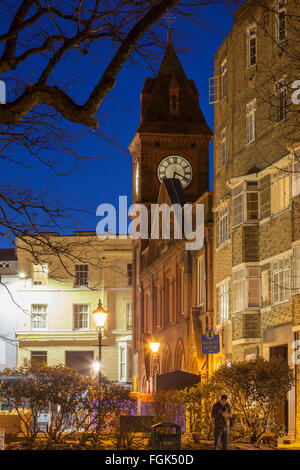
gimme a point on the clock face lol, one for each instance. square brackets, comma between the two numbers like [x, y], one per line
[137, 178]
[175, 166]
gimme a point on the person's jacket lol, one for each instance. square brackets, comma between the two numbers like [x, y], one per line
[216, 413]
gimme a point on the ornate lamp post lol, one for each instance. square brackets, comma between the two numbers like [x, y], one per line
[100, 315]
[154, 346]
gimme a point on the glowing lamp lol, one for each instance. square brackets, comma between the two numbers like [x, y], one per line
[100, 315]
[96, 367]
[154, 347]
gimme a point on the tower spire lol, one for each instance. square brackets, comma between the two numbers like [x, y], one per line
[170, 18]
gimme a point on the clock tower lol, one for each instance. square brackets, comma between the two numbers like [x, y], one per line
[172, 141]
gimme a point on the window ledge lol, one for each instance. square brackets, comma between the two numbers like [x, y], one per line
[219, 247]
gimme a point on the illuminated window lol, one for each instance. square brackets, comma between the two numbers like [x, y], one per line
[251, 45]
[281, 276]
[81, 316]
[250, 121]
[244, 203]
[223, 148]
[125, 362]
[281, 21]
[39, 314]
[224, 302]
[223, 225]
[224, 82]
[200, 281]
[128, 316]
[246, 289]
[181, 290]
[81, 275]
[280, 100]
[238, 205]
[40, 274]
[280, 188]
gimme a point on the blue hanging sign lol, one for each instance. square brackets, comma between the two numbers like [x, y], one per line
[210, 342]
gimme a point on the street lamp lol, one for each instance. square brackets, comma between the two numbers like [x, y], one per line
[154, 346]
[100, 315]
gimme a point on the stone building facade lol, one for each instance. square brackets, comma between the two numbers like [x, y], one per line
[58, 294]
[256, 191]
[172, 290]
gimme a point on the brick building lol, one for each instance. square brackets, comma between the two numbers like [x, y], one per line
[256, 197]
[171, 296]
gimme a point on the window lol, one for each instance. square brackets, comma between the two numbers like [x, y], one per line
[281, 273]
[224, 83]
[280, 100]
[281, 21]
[250, 121]
[128, 316]
[81, 275]
[39, 356]
[244, 202]
[39, 316]
[200, 281]
[224, 302]
[296, 257]
[129, 273]
[246, 289]
[223, 148]
[181, 290]
[40, 274]
[223, 225]
[81, 316]
[280, 190]
[147, 314]
[124, 362]
[251, 45]
[296, 176]
[238, 204]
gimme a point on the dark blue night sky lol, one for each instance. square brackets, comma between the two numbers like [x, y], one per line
[103, 179]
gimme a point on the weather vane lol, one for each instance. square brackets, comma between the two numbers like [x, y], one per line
[170, 19]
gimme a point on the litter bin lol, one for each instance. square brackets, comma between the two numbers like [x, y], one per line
[166, 436]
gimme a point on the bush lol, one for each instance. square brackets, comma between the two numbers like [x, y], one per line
[256, 389]
[79, 409]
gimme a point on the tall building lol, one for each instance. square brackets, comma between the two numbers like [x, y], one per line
[170, 153]
[256, 198]
[59, 293]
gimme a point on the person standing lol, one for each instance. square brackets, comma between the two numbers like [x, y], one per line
[221, 413]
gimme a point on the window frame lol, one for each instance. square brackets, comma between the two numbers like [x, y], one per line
[281, 10]
[244, 280]
[44, 270]
[39, 313]
[200, 280]
[275, 284]
[223, 147]
[223, 225]
[86, 328]
[251, 37]
[276, 199]
[280, 100]
[223, 295]
[251, 121]
[224, 79]
[76, 284]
